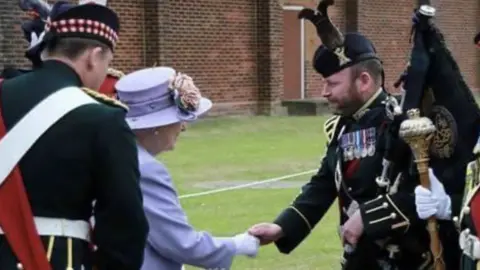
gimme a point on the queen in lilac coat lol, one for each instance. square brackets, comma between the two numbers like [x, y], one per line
[161, 101]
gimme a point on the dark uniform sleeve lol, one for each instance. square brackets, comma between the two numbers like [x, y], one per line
[387, 214]
[120, 224]
[307, 209]
[457, 200]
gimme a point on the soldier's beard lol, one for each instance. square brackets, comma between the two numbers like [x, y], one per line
[351, 104]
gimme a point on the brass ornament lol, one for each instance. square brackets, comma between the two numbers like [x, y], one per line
[418, 133]
[340, 53]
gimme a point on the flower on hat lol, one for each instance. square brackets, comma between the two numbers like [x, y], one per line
[187, 95]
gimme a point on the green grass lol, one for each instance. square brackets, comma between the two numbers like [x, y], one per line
[251, 149]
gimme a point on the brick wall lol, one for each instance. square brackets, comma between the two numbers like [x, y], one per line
[460, 21]
[130, 54]
[233, 48]
[12, 44]
[388, 23]
[216, 43]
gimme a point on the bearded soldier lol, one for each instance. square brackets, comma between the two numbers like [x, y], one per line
[366, 166]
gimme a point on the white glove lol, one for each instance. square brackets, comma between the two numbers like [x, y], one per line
[246, 244]
[425, 203]
[434, 201]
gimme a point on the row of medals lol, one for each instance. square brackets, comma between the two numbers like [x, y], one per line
[358, 144]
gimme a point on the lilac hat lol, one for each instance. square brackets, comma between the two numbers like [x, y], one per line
[160, 96]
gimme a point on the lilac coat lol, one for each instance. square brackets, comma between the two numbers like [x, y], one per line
[171, 240]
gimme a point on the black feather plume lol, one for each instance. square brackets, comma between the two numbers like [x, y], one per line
[329, 34]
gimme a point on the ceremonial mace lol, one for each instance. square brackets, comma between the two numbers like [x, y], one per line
[417, 132]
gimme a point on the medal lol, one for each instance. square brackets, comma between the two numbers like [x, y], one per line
[351, 153]
[344, 146]
[356, 152]
[358, 145]
[364, 152]
[371, 140]
[364, 143]
[352, 146]
[345, 154]
[371, 150]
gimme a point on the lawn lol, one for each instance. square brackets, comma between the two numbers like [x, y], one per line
[247, 149]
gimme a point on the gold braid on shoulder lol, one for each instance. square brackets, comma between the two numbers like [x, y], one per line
[105, 98]
[115, 73]
[330, 127]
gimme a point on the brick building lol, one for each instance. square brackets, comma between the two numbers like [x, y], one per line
[249, 55]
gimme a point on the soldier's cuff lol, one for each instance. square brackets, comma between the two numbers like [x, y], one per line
[381, 216]
[295, 227]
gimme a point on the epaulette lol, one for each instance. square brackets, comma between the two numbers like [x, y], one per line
[104, 98]
[330, 126]
[115, 73]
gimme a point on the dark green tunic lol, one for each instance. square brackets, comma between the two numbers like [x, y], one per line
[88, 155]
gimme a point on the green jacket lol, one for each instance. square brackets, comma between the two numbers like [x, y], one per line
[88, 155]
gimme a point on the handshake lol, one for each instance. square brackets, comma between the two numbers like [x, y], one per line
[249, 242]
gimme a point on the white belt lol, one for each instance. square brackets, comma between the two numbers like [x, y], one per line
[469, 244]
[62, 227]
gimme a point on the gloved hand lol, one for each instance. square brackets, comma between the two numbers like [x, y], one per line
[434, 201]
[246, 244]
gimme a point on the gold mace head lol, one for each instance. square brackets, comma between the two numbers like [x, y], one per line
[417, 132]
[416, 126]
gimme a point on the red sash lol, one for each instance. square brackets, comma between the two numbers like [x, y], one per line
[108, 86]
[16, 219]
[475, 211]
